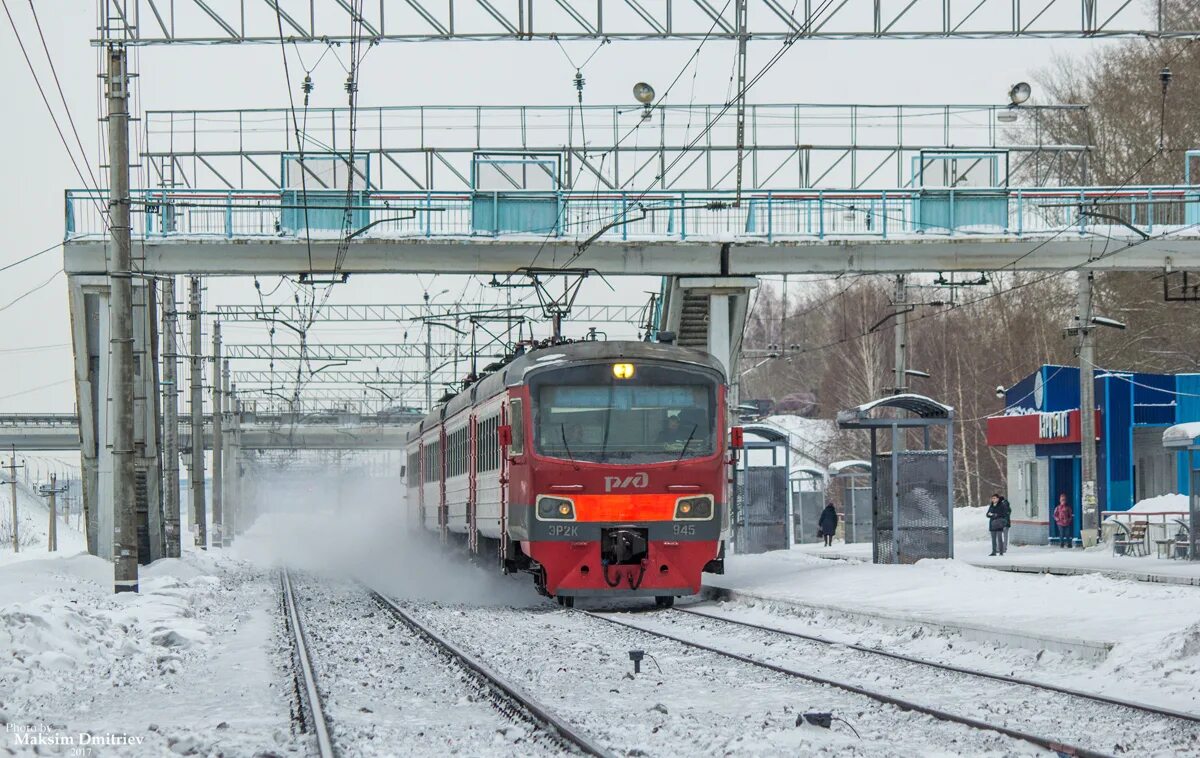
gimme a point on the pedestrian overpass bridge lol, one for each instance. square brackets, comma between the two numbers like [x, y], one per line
[668, 233]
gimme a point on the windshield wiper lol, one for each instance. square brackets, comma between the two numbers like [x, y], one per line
[563, 428]
[685, 444]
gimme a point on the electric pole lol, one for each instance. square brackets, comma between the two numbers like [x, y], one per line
[196, 475]
[52, 534]
[170, 418]
[743, 37]
[216, 435]
[120, 277]
[226, 455]
[12, 482]
[899, 437]
[428, 367]
[1087, 412]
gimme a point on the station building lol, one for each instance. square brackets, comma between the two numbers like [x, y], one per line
[1040, 431]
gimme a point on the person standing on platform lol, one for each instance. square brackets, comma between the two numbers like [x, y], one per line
[827, 524]
[1001, 504]
[1064, 514]
[998, 514]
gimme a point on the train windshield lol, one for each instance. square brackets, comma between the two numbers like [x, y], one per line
[660, 413]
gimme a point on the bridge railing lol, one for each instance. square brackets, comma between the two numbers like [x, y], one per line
[657, 215]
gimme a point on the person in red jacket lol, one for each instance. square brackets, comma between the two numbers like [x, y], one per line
[1064, 514]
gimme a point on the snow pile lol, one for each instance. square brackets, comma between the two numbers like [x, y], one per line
[1162, 504]
[971, 524]
[83, 630]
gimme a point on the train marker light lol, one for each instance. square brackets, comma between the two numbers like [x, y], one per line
[550, 508]
[694, 508]
[622, 370]
[737, 437]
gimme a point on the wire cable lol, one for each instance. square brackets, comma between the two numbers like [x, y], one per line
[57, 126]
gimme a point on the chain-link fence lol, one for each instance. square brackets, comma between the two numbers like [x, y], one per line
[808, 506]
[912, 516]
[763, 497]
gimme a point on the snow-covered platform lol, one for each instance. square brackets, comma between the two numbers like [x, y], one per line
[1046, 559]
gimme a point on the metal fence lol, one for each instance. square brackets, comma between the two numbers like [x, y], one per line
[912, 515]
[807, 513]
[763, 498]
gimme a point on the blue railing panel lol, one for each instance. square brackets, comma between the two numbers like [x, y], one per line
[658, 215]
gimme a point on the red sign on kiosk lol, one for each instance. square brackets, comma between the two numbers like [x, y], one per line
[1053, 428]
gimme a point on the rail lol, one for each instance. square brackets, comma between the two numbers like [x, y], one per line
[306, 686]
[1155, 711]
[907, 705]
[768, 216]
[507, 691]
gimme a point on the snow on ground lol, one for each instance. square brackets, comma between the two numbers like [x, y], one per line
[687, 702]
[1153, 630]
[188, 665]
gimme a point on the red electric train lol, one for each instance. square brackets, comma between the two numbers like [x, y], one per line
[601, 468]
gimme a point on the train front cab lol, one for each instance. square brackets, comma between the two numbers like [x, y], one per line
[618, 477]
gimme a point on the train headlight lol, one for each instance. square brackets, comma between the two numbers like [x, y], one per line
[694, 508]
[550, 508]
[622, 370]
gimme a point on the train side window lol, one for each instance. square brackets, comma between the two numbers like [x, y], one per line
[517, 422]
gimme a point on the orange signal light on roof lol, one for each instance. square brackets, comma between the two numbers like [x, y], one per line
[622, 370]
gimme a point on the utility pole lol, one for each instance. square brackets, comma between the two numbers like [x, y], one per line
[743, 37]
[901, 330]
[196, 476]
[234, 506]
[1087, 412]
[226, 455]
[217, 410]
[12, 482]
[901, 339]
[170, 418]
[52, 534]
[120, 278]
[428, 367]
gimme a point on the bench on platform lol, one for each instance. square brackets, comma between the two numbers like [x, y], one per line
[1132, 540]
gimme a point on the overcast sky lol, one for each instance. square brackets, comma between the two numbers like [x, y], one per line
[35, 350]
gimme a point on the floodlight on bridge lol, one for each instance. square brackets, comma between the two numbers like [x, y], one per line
[1019, 93]
[1112, 323]
[644, 94]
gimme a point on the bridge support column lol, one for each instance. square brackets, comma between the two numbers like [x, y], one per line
[709, 313]
[89, 299]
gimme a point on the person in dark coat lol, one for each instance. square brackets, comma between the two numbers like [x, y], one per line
[999, 515]
[827, 524]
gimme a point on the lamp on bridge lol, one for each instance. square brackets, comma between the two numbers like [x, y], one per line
[644, 94]
[1018, 94]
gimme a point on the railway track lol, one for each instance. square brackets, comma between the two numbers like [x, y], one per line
[542, 731]
[311, 718]
[1168, 730]
[505, 696]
